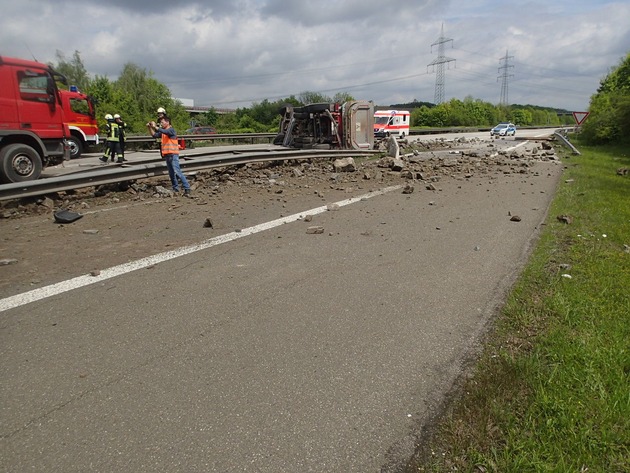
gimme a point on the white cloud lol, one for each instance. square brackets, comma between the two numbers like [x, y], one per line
[231, 52]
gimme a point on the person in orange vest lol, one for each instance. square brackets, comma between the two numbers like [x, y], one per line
[169, 149]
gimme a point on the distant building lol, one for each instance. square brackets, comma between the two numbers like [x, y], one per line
[189, 105]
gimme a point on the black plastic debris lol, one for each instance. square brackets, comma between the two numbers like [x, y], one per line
[65, 216]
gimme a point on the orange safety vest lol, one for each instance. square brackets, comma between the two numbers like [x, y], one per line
[169, 145]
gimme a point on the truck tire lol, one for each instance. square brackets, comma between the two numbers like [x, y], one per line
[76, 147]
[279, 139]
[19, 163]
[317, 107]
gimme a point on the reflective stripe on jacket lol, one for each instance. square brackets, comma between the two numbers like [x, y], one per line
[169, 145]
[112, 131]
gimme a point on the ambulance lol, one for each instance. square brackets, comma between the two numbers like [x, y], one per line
[391, 123]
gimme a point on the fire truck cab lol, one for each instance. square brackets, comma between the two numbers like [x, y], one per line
[81, 119]
[33, 128]
[391, 123]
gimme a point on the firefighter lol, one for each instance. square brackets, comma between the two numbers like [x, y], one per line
[161, 113]
[112, 143]
[122, 137]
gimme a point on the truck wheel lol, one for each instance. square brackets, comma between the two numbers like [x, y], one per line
[317, 107]
[20, 163]
[76, 147]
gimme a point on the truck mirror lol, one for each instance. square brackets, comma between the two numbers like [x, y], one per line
[51, 90]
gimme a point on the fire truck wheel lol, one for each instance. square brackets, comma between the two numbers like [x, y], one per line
[20, 163]
[76, 147]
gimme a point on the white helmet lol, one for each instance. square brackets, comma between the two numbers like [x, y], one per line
[109, 117]
[161, 110]
[116, 116]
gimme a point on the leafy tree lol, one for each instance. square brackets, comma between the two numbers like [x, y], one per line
[341, 97]
[474, 112]
[73, 69]
[313, 97]
[210, 118]
[440, 115]
[102, 91]
[421, 116]
[609, 118]
[147, 95]
[264, 113]
[247, 124]
[412, 105]
[227, 123]
[521, 117]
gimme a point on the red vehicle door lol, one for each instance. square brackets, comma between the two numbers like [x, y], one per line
[38, 107]
[8, 110]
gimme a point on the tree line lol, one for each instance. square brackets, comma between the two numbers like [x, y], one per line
[609, 111]
[136, 95]
[472, 112]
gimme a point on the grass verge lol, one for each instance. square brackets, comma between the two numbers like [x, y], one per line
[551, 392]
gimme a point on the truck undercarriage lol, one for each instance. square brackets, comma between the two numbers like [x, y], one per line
[327, 126]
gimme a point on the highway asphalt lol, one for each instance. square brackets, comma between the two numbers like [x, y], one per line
[279, 350]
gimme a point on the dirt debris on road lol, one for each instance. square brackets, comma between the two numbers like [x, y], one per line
[130, 220]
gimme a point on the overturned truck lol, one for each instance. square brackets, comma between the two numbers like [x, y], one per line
[327, 126]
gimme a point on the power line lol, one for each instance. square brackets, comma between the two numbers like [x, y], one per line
[336, 89]
[287, 72]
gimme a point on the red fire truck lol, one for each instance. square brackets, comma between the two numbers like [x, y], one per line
[81, 118]
[33, 127]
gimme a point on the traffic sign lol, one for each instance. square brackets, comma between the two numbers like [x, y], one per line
[579, 117]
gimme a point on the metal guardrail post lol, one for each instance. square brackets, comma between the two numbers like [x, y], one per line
[563, 138]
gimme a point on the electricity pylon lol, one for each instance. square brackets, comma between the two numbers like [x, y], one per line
[504, 77]
[439, 63]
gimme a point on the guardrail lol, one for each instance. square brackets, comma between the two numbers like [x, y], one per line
[114, 174]
[210, 137]
[468, 129]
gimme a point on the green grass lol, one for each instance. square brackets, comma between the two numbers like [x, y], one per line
[551, 392]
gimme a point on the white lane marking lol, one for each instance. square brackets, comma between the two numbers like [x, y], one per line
[87, 279]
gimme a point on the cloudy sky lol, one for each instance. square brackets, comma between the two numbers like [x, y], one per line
[230, 53]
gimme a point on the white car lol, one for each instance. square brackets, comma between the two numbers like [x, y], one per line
[503, 129]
